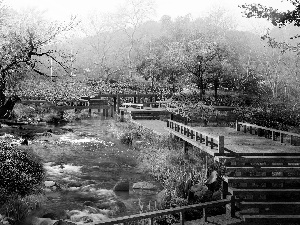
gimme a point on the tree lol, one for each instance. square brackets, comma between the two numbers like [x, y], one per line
[200, 58]
[277, 18]
[274, 15]
[129, 18]
[27, 43]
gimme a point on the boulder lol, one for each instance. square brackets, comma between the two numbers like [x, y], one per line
[104, 205]
[43, 221]
[162, 198]
[144, 185]
[63, 222]
[49, 183]
[122, 185]
[89, 203]
[50, 215]
[118, 207]
[199, 190]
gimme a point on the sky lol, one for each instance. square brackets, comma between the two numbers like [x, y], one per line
[63, 9]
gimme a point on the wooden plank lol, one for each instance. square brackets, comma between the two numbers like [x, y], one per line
[269, 129]
[271, 219]
[164, 212]
[286, 172]
[194, 143]
[242, 154]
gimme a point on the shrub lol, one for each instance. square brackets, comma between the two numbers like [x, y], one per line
[19, 210]
[21, 172]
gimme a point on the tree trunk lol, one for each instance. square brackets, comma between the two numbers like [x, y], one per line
[2, 95]
[216, 85]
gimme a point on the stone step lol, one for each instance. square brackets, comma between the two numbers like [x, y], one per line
[257, 154]
[272, 219]
[262, 171]
[266, 195]
[282, 161]
[263, 182]
[269, 208]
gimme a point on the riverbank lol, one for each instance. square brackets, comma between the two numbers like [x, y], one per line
[83, 161]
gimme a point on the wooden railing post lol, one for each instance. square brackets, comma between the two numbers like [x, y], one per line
[122, 116]
[151, 221]
[273, 135]
[238, 126]
[182, 218]
[291, 140]
[232, 206]
[245, 128]
[168, 123]
[221, 144]
[204, 215]
[281, 137]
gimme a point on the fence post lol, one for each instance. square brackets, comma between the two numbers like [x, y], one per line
[232, 206]
[204, 215]
[122, 116]
[273, 136]
[112, 111]
[281, 137]
[181, 218]
[238, 128]
[151, 221]
[221, 144]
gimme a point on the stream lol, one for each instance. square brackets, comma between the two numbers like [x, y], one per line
[83, 164]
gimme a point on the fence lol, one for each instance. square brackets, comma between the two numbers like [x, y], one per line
[260, 131]
[197, 136]
[151, 215]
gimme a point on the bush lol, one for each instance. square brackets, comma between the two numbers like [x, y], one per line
[19, 210]
[21, 172]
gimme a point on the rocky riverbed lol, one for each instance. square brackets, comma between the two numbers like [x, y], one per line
[84, 161]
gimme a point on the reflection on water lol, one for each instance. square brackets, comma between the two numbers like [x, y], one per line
[85, 165]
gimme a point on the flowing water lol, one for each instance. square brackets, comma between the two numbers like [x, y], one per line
[85, 163]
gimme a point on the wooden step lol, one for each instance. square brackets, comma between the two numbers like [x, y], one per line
[272, 219]
[267, 195]
[281, 161]
[264, 182]
[263, 172]
[257, 154]
[269, 208]
[145, 117]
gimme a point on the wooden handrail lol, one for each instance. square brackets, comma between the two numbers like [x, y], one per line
[195, 134]
[274, 131]
[180, 210]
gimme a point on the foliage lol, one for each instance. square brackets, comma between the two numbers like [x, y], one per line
[274, 15]
[27, 43]
[272, 113]
[189, 109]
[277, 18]
[21, 172]
[18, 209]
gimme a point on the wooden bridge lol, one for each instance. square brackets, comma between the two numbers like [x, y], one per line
[262, 167]
[104, 102]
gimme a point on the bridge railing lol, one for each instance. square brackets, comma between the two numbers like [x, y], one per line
[197, 136]
[151, 215]
[268, 132]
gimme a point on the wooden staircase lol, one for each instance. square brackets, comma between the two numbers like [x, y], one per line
[266, 188]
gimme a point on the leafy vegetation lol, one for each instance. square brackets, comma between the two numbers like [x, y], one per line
[21, 172]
